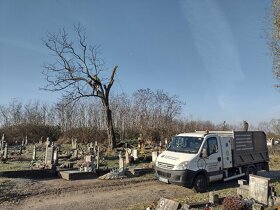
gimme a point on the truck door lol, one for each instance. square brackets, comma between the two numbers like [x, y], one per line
[213, 160]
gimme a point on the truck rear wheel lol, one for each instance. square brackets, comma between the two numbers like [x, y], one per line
[200, 184]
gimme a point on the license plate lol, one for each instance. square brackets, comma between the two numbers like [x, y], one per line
[163, 180]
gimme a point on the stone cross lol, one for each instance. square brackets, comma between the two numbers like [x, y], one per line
[165, 141]
[34, 153]
[6, 151]
[26, 140]
[22, 142]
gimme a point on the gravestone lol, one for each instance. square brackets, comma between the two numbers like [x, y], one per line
[121, 162]
[135, 154]
[88, 158]
[154, 156]
[34, 153]
[2, 144]
[74, 143]
[49, 155]
[165, 204]
[258, 188]
[126, 157]
[97, 157]
[75, 153]
[26, 140]
[55, 156]
[6, 151]
[2, 141]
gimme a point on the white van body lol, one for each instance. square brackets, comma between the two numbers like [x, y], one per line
[196, 159]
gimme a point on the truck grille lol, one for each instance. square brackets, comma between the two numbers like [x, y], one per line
[163, 174]
[165, 165]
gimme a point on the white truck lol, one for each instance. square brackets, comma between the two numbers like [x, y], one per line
[196, 159]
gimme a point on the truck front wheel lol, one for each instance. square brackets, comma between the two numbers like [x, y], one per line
[200, 184]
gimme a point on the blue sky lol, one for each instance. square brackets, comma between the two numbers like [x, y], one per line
[212, 54]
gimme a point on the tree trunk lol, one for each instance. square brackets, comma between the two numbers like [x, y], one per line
[110, 129]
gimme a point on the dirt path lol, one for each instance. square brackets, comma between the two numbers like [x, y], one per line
[95, 194]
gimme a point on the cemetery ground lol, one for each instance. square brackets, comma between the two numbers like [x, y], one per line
[132, 192]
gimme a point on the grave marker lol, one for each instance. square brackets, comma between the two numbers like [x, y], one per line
[165, 204]
[49, 155]
[258, 188]
[55, 157]
[121, 162]
[26, 140]
[34, 153]
[134, 154]
[97, 157]
[75, 153]
[6, 151]
[74, 144]
[126, 157]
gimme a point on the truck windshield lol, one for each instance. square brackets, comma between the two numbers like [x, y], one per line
[185, 144]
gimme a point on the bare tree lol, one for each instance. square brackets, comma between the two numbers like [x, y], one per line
[78, 71]
[274, 34]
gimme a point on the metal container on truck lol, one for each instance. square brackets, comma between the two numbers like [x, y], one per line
[196, 159]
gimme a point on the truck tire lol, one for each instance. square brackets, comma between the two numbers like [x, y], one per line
[200, 184]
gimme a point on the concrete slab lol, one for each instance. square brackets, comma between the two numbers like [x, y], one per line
[76, 175]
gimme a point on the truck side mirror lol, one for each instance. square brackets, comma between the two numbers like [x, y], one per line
[204, 153]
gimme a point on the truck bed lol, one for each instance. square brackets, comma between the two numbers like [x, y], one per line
[249, 147]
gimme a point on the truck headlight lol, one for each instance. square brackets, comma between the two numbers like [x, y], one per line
[182, 166]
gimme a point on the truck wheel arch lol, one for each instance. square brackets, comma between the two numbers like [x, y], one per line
[200, 183]
[198, 173]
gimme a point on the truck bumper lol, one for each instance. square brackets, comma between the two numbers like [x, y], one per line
[183, 178]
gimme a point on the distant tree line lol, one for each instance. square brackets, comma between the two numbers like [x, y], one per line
[153, 115]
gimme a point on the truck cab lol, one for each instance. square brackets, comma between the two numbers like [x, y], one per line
[196, 159]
